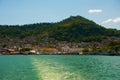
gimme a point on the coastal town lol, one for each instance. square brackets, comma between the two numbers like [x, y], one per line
[27, 46]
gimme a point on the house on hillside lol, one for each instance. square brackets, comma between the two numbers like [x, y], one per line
[4, 51]
[76, 50]
[65, 49]
[50, 51]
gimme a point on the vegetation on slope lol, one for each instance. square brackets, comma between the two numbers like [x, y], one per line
[72, 29]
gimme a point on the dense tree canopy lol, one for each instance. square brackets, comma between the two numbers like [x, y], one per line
[74, 28]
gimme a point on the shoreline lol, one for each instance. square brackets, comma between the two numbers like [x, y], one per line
[68, 54]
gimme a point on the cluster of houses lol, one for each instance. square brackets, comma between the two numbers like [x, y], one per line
[63, 50]
[16, 46]
[9, 51]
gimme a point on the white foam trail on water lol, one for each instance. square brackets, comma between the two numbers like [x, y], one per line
[46, 71]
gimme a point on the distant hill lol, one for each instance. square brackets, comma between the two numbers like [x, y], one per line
[73, 29]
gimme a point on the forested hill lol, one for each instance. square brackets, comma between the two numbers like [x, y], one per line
[74, 28]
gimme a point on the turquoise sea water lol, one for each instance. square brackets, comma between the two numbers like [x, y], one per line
[59, 67]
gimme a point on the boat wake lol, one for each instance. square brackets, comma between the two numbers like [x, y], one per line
[47, 70]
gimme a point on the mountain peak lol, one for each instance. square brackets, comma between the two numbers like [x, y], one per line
[75, 20]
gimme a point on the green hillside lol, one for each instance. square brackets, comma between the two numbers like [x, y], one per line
[73, 29]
